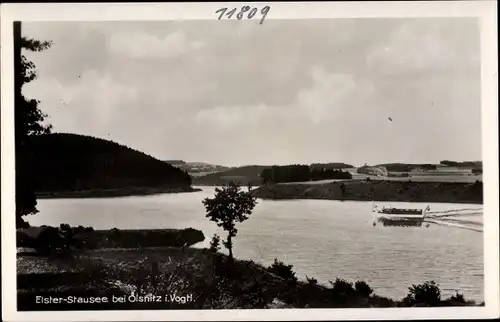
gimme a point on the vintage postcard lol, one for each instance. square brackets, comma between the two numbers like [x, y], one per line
[249, 161]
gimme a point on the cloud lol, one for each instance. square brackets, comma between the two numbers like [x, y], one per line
[88, 106]
[436, 46]
[232, 117]
[290, 91]
[141, 45]
[331, 96]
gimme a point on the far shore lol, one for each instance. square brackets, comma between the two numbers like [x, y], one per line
[377, 190]
[356, 190]
[111, 193]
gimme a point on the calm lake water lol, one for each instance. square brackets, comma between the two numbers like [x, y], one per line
[321, 238]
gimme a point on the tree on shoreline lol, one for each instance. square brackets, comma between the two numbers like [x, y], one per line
[229, 206]
[28, 120]
[426, 294]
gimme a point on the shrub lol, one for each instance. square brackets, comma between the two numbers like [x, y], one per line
[363, 288]
[88, 229]
[65, 227]
[51, 240]
[458, 297]
[24, 240]
[426, 294]
[282, 270]
[381, 301]
[341, 287]
[64, 240]
[312, 281]
[215, 244]
[79, 229]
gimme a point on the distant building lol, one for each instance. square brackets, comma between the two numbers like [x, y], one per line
[374, 171]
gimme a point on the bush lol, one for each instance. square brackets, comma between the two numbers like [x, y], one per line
[65, 227]
[51, 240]
[62, 240]
[458, 297]
[312, 281]
[341, 287]
[283, 271]
[88, 229]
[24, 240]
[363, 288]
[426, 294]
[215, 244]
[381, 301]
[79, 229]
[458, 300]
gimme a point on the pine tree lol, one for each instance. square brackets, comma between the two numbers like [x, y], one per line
[28, 120]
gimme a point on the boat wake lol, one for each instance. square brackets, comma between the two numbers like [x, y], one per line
[475, 226]
[452, 218]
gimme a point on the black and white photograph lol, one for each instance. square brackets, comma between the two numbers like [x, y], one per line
[243, 161]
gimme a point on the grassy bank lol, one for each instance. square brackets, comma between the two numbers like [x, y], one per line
[368, 190]
[188, 278]
[110, 193]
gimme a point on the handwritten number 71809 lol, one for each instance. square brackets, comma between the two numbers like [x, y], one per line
[240, 15]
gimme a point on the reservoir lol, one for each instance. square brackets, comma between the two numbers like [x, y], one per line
[324, 239]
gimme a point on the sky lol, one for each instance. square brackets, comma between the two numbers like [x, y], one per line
[287, 91]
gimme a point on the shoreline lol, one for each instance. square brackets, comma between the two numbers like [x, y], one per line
[376, 190]
[86, 238]
[114, 193]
